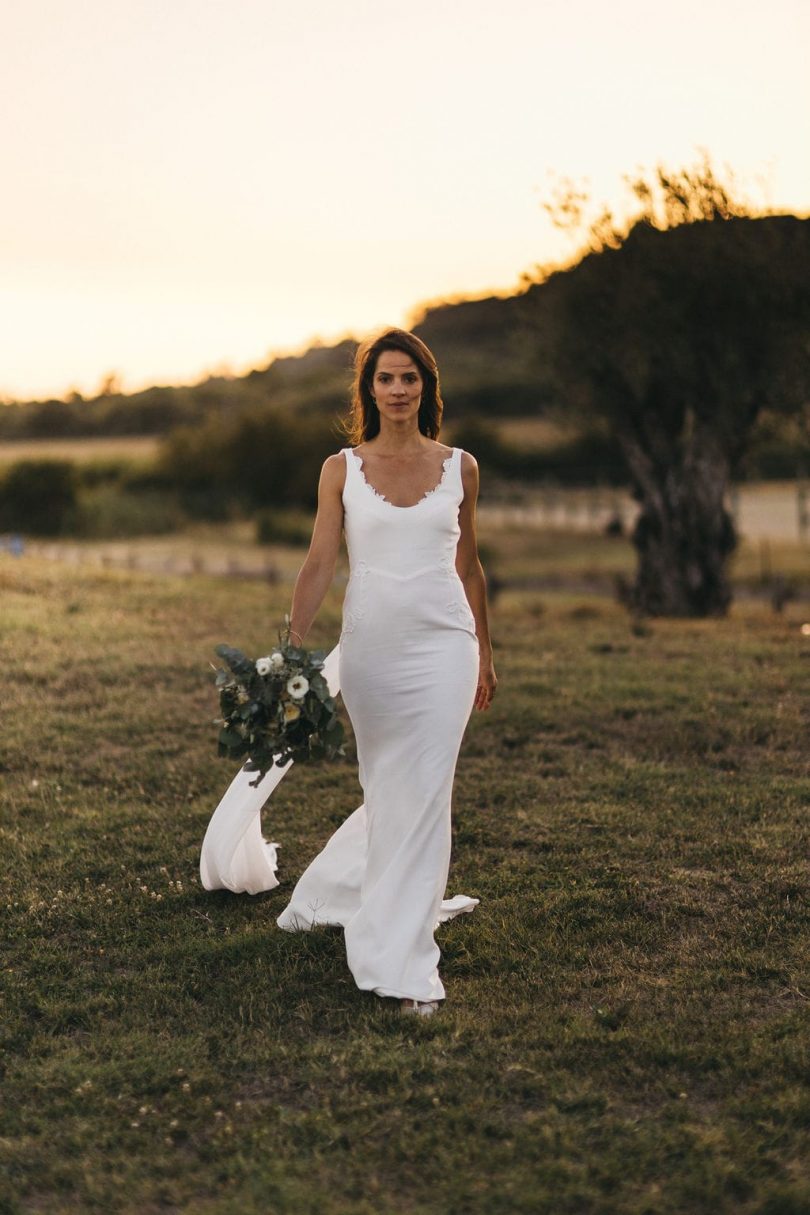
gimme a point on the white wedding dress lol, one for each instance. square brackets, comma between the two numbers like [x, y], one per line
[407, 666]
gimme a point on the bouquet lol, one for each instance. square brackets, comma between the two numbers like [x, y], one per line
[276, 708]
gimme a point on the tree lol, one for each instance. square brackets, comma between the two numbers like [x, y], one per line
[676, 334]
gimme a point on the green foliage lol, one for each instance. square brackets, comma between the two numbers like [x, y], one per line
[265, 720]
[262, 458]
[108, 512]
[273, 526]
[38, 497]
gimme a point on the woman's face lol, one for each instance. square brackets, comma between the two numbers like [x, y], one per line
[397, 386]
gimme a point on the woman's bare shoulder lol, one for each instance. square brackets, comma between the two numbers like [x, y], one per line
[333, 472]
[469, 476]
[442, 447]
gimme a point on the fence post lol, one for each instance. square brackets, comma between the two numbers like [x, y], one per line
[803, 509]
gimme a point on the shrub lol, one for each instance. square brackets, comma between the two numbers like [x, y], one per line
[256, 458]
[110, 512]
[293, 528]
[39, 497]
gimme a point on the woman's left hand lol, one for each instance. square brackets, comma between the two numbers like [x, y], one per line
[487, 683]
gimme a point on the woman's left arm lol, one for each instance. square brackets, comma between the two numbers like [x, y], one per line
[471, 573]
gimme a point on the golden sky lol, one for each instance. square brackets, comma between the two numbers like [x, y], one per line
[192, 184]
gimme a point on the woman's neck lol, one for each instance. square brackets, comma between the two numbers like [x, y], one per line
[399, 440]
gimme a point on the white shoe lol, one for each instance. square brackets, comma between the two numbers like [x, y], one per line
[422, 1008]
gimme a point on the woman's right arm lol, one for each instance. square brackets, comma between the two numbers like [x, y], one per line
[315, 576]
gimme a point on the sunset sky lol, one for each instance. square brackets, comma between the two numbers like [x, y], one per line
[194, 184]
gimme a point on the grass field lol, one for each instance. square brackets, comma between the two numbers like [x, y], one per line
[82, 451]
[626, 1031]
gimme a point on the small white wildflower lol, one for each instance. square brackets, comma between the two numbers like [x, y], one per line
[298, 686]
[264, 666]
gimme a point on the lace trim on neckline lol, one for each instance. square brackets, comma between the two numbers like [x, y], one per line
[446, 462]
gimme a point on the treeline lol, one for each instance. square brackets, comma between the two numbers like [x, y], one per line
[265, 464]
[254, 462]
[485, 371]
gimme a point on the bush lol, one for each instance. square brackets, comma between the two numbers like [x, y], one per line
[39, 497]
[103, 472]
[292, 528]
[255, 459]
[110, 512]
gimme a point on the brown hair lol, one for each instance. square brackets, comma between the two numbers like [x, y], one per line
[363, 421]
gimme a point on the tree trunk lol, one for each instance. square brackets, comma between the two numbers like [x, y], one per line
[684, 535]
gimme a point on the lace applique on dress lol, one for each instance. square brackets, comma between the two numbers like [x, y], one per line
[459, 605]
[353, 616]
[382, 498]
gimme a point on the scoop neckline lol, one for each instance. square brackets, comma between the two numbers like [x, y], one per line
[446, 462]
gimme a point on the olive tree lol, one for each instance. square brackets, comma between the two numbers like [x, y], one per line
[675, 335]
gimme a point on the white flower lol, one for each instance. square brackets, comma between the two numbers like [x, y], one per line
[298, 686]
[264, 666]
[276, 660]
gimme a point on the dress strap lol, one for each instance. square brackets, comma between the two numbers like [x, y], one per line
[456, 466]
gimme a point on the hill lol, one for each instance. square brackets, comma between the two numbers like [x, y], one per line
[493, 366]
[477, 343]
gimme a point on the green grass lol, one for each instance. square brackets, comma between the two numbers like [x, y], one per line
[626, 1030]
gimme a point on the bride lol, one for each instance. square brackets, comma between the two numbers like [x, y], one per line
[414, 659]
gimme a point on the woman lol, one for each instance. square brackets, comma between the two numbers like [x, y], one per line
[415, 657]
